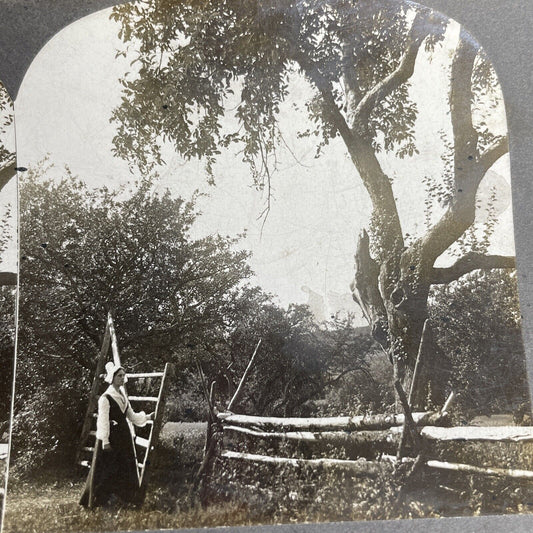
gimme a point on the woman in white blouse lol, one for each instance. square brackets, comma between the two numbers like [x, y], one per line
[114, 468]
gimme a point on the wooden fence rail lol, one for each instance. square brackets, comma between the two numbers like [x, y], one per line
[343, 423]
[382, 431]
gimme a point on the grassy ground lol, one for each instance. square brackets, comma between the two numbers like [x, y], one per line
[48, 503]
[53, 508]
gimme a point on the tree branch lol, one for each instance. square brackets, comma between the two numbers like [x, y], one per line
[468, 172]
[497, 149]
[325, 88]
[464, 134]
[468, 263]
[418, 32]
[362, 154]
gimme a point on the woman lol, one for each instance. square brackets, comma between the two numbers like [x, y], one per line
[114, 469]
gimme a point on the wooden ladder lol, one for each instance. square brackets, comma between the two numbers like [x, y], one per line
[144, 445]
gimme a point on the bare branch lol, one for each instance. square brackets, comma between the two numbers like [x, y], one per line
[468, 263]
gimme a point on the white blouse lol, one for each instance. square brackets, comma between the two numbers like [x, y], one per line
[102, 422]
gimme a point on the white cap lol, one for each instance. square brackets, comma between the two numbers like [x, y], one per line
[110, 370]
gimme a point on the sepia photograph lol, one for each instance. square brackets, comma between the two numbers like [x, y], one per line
[266, 271]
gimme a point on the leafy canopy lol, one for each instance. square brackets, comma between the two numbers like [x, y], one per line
[197, 61]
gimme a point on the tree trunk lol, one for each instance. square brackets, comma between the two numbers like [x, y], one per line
[392, 288]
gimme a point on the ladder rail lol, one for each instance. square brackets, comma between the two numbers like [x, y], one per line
[157, 424]
[114, 343]
[140, 375]
[93, 395]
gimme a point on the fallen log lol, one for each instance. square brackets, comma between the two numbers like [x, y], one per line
[346, 423]
[502, 472]
[360, 467]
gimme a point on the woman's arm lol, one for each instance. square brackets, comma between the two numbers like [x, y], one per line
[139, 419]
[102, 422]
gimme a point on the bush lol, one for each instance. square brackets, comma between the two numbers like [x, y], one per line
[477, 324]
[361, 392]
[44, 426]
[181, 447]
[7, 352]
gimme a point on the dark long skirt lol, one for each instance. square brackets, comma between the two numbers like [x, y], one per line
[113, 471]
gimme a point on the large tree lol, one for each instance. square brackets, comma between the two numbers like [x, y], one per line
[358, 57]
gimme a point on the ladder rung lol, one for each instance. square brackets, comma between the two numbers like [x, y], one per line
[142, 442]
[143, 398]
[145, 375]
[92, 433]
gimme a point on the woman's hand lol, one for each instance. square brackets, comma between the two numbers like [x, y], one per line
[107, 446]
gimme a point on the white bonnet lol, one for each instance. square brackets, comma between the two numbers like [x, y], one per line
[110, 371]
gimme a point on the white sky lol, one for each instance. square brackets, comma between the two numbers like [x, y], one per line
[8, 203]
[305, 252]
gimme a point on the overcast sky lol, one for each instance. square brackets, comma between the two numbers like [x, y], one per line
[305, 251]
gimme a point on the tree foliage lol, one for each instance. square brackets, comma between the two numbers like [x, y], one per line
[195, 61]
[192, 57]
[7, 155]
[7, 351]
[89, 252]
[488, 364]
[6, 123]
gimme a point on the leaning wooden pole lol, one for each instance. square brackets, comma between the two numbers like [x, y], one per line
[233, 401]
[210, 450]
[409, 424]
[414, 384]
[418, 365]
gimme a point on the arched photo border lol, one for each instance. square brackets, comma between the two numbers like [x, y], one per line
[504, 30]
